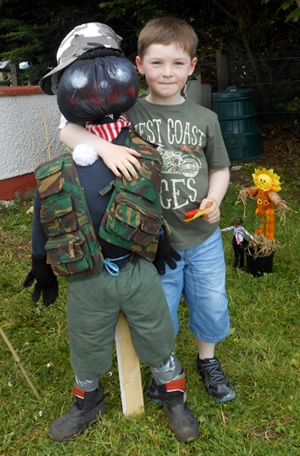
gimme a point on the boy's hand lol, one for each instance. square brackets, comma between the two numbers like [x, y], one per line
[213, 211]
[121, 160]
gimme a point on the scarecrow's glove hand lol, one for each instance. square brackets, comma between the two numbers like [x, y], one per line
[46, 281]
[165, 254]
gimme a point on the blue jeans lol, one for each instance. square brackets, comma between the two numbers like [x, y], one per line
[200, 278]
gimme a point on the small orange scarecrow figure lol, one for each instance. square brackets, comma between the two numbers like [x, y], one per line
[266, 186]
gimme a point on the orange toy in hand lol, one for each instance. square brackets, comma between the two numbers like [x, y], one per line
[192, 215]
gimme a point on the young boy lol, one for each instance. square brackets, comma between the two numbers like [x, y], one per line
[195, 175]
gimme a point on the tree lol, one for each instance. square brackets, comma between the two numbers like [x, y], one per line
[38, 30]
[233, 26]
[293, 8]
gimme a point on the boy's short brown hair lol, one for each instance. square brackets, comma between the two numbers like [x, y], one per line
[166, 30]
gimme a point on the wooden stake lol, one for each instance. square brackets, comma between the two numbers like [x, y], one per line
[46, 136]
[129, 371]
[19, 364]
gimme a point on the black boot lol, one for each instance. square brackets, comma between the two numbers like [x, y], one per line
[181, 419]
[82, 413]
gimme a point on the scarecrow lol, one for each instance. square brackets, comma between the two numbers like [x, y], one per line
[103, 235]
[261, 252]
[266, 186]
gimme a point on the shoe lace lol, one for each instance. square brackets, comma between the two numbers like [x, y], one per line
[215, 372]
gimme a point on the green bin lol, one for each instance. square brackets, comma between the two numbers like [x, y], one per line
[237, 116]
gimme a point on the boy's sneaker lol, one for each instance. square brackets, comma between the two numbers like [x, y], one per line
[152, 393]
[217, 384]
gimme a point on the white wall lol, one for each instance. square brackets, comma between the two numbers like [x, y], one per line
[23, 143]
[198, 92]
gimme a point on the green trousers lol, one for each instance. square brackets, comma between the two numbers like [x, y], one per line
[93, 308]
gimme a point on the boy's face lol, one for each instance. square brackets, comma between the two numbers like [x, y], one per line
[166, 68]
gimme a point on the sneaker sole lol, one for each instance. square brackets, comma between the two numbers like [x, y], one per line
[226, 398]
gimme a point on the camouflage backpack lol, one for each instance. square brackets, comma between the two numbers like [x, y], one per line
[72, 247]
[133, 218]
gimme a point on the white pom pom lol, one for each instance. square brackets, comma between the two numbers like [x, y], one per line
[84, 155]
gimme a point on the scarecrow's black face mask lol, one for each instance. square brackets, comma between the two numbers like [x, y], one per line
[92, 88]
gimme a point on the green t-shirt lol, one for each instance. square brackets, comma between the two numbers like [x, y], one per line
[189, 138]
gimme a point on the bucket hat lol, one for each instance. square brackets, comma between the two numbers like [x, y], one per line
[82, 38]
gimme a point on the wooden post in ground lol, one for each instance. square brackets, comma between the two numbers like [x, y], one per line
[129, 371]
[13, 75]
[222, 70]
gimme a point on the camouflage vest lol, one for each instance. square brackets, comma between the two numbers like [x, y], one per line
[133, 217]
[72, 247]
[132, 220]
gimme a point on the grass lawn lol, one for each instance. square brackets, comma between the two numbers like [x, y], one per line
[261, 356]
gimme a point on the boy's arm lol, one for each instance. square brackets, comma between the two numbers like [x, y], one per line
[217, 187]
[119, 159]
